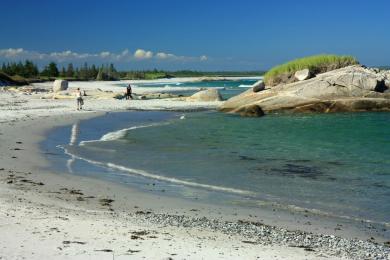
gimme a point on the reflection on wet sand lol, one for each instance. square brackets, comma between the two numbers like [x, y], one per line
[73, 141]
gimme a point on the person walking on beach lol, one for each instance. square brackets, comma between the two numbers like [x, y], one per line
[79, 99]
[129, 92]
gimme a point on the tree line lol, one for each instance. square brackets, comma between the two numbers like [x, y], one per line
[29, 70]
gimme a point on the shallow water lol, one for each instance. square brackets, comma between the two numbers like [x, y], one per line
[329, 164]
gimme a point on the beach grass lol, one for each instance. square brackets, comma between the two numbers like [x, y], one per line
[316, 64]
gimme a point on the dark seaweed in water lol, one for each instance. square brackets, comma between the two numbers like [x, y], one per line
[295, 170]
[243, 157]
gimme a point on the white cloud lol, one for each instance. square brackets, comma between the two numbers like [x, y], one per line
[16, 54]
[125, 52]
[69, 55]
[125, 55]
[11, 52]
[163, 56]
[105, 54]
[142, 54]
[203, 58]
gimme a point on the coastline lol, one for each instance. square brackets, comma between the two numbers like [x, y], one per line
[49, 215]
[43, 216]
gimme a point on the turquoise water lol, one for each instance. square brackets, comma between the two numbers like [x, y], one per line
[228, 88]
[332, 164]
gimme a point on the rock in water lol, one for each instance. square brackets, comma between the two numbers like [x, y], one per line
[258, 86]
[207, 95]
[302, 74]
[252, 111]
[60, 85]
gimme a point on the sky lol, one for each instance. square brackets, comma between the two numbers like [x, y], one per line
[193, 34]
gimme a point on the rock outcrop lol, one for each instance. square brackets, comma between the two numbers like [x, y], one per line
[60, 85]
[207, 95]
[353, 88]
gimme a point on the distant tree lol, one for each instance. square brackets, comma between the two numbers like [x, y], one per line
[107, 72]
[100, 75]
[19, 69]
[70, 71]
[30, 69]
[93, 72]
[11, 69]
[27, 70]
[6, 69]
[112, 73]
[76, 73]
[83, 74]
[51, 70]
[63, 73]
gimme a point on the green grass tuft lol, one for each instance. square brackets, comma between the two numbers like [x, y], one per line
[316, 64]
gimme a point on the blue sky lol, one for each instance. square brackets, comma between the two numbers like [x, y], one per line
[201, 34]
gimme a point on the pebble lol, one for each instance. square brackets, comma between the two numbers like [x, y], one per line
[329, 245]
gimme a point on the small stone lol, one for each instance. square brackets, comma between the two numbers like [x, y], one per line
[252, 111]
[258, 86]
[302, 74]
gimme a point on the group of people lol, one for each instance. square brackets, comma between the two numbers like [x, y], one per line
[80, 100]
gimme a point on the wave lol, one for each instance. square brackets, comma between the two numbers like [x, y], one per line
[115, 135]
[159, 83]
[244, 86]
[111, 136]
[160, 177]
[178, 181]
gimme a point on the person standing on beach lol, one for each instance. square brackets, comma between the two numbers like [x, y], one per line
[129, 92]
[79, 99]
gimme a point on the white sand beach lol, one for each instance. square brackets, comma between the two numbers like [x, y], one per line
[19, 105]
[46, 215]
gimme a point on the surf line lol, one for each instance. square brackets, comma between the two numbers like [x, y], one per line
[160, 177]
[115, 135]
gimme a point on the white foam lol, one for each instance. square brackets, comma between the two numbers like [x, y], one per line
[245, 86]
[178, 181]
[160, 83]
[121, 133]
[160, 177]
[115, 135]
